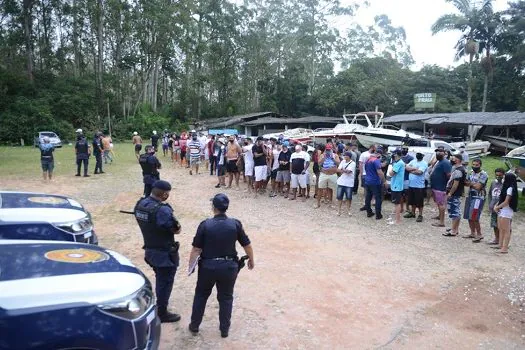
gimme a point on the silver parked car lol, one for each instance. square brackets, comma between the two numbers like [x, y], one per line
[53, 139]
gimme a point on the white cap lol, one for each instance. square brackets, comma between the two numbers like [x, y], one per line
[154, 132]
[193, 130]
[135, 133]
[222, 140]
[79, 131]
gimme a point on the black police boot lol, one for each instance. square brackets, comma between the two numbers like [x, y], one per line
[168, 317]
[193, 331]
[224, 334]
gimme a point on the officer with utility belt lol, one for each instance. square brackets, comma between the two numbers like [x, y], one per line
[159, 226]
[218, 265]
[150, 165]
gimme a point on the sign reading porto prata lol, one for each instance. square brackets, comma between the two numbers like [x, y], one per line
[425, 100]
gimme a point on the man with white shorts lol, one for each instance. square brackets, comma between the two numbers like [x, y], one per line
[299, 163]
[248, 162]
[260, 167]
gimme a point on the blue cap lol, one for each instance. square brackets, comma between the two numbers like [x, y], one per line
[286, 144]
[379, 150]
[221, 202]
[162, 185]
[397, 152]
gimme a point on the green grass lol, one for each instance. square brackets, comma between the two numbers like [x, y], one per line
[24, 162]
[490, 164]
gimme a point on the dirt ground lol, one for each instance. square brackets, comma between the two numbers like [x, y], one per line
[322, 281]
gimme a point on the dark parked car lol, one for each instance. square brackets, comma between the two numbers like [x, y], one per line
[61, 295]
[25, 215]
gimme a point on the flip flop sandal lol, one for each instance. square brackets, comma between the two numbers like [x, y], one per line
[469, 236]
[493, 243]
[495, 247]
[448, 234]
[502, 252]
[438, 225]
[477, 240]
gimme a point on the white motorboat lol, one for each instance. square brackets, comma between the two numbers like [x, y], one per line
[474, 148]
[501, 143]
[379, 134]
[298, 134]
[515, 161]
[343, 131]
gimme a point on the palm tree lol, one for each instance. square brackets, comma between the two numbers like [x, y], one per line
[488, 36]
[469, 22]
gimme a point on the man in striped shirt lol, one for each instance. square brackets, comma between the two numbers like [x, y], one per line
[194, 150]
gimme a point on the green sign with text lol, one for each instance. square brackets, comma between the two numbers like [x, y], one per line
[425, 100]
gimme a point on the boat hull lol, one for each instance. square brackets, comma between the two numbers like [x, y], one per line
[500, 143]
[368, 139]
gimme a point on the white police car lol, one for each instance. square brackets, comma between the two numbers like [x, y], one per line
[53, 139]
[25, 215]
[62, 295]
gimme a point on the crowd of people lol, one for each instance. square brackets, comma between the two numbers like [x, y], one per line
[289, 169]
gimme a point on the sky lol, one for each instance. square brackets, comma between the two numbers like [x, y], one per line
[417, 16]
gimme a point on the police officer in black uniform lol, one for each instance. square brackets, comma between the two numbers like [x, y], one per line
[159, 226]
[97, 151]
[218, 264]
[150, 165]
[82, 151]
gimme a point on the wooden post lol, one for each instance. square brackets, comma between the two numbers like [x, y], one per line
[507, 142]
[109, 121]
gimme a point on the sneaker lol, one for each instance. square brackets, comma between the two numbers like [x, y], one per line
[218, 186]
[370, 214]
[379, 217]
[419, 218]
[409, 215]
[86, 175]
[362, 209]
[224, 334]
[77, 175]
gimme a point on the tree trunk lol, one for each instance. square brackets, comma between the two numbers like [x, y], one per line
[27, 13]
[488, 70]
[154, 85]
[76, 48]
[469, 91]
[100, 42]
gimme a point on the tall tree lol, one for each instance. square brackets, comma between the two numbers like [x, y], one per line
[469, 22]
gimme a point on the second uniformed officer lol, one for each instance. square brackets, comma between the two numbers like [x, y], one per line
[158, 226]
[215, 243]
[150, 165]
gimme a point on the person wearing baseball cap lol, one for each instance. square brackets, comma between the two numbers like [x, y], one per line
[417, 169]
[396, 183]
[214, 243]
[137, 143]
[374, 179]
[283, 172]
[161, 252]
[328, 163]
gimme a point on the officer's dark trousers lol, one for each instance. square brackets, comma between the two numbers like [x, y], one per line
[147, 189]
[98, 165]
[79, 165]
[164, 277]
[222, 274]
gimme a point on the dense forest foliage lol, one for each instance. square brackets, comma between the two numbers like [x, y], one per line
[150, 64]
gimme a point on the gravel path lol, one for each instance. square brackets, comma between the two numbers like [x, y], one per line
[322, 281]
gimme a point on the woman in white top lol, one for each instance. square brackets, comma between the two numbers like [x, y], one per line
[345, 182]
[508, 204]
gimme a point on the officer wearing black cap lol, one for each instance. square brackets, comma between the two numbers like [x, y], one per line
[158, 227]
[218, 265]
[150, 165]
